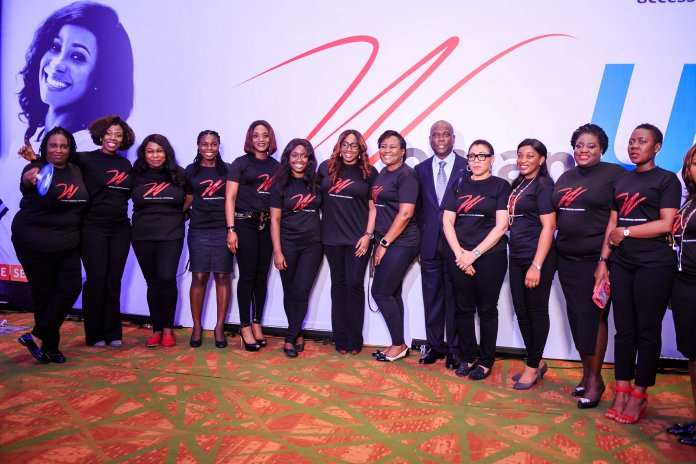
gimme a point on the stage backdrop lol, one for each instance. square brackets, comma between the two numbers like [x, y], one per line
[500, 70]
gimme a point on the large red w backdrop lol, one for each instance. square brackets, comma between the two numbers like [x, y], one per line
[501, 71]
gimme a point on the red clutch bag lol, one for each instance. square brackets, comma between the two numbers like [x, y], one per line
[601, 294]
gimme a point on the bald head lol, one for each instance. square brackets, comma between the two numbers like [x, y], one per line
[442, 138]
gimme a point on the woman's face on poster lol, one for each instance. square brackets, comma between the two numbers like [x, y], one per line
[67, 66]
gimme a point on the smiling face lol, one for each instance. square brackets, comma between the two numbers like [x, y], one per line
[529, 161]
[261, 139]
[350, 149]
[66, 67]
[57, 150]
[587, 151]
[112, 139]
[441, 139]
[209, 147]
[298, 161]
[390, 151]
[154, 155]
[642, 148]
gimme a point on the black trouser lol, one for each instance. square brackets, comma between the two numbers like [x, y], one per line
[480, 294]
[104, 251]
[254, 258]
[532, 305]
[159, 260]
[640, 295]
[438, 301]
[347, 295]
[386, 288]
[55, 279]
[303, 261]
[577, 281]
[684, 314]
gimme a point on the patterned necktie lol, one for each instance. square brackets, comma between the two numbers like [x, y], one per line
[441, 182]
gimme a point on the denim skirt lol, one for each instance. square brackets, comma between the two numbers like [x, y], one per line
[208, 251]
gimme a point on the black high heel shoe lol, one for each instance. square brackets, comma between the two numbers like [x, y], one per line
[223, 343]
[245, 345]
[260, 341]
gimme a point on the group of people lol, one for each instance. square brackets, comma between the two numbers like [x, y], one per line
[603, 228]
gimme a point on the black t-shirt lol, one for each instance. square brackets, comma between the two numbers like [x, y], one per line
[527, 202]
[255, 178]
[582, 198]
[685, 220]
[157, 206]
[389, 189]
[638, 198]
[108, 180]
[476, 203]
[299, 222]
[51, 222]
[345, 208]
[208, 190]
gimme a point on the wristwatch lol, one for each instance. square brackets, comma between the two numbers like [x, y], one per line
[384, 243]
[536, 265]
[231, 228]
[602, 259]
[476, 252]
[627, 232]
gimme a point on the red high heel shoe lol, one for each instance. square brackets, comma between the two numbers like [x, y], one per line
[625, 418]
[612, 413]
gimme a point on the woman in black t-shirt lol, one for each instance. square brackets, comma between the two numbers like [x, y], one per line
[395, 194]
[207, 235]
[347, 225]
[246, 207]
[474, 222]
[644, 203]
[296, 234]
[532, 255]
[158, 231]
[582, 198]
[46, 238]
[684, 287]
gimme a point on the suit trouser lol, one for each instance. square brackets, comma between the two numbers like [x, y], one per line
[438, 302]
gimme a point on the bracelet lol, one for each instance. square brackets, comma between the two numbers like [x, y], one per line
[602, 259]
[536, 265]
[231, 228]
[369, 235]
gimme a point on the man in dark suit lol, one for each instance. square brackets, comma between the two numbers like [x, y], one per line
[437, 174]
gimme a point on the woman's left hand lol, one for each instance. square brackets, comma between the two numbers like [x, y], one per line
[531, 280]
[362, 246]
[616, 236]
[379, 254]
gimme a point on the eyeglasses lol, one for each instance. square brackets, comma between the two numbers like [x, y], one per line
[478, 156]
[350, 146]
[589, 146]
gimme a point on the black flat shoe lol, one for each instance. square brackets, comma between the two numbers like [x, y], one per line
[578, 391]
[55, 356]
[290, 352]
[478, 373]
[687, 428]
[586, 403]
[464, 369]
[377, 353]
[299, 347]
[688, 440]
[385, 358]
[27, 341]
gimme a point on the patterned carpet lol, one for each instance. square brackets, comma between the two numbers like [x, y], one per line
[140, 405]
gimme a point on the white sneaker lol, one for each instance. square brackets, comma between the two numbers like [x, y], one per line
[115, 343]
[100, 343]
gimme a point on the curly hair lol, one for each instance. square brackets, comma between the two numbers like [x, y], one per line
[98, 128]
[689, 182]
[594, 130]
[539, 148]
[172, 169]
[335, 166]
[111, 87]
[72, 146]
[284, 176]
[249, 140]
[220, 165]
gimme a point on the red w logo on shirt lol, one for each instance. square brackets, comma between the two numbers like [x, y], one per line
[68, 191]
[118, 177]
[376, 190]
[629, 203]
[302, 201]
[266, 183]
[340, 185]
[676, 225]
[155, 188]
[212, 187]
[570, 195]
[469, 202]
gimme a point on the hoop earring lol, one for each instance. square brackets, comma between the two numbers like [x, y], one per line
[468, 168]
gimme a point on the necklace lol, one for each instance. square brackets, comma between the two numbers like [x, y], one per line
[683, 224]
[514, 198]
